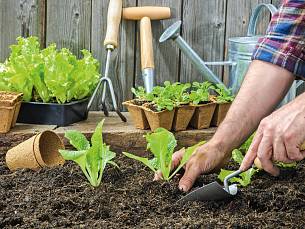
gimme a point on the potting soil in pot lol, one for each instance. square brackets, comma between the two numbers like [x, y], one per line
[62, 198]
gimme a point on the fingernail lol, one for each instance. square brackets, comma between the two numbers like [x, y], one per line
[182, 188]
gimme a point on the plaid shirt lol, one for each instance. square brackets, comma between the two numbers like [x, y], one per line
[284, 44]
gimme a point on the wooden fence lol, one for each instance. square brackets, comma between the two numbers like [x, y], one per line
[79, 24]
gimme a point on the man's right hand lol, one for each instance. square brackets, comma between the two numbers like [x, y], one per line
[207, 158]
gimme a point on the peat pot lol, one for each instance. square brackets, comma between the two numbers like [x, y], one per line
[203, 115]
[137, 114]
[220, 113]
[9, 109]
[162, 119]
[183, 116]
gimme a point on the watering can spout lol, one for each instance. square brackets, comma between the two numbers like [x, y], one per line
[173, 32]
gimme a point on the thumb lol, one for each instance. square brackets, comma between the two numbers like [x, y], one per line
[189, 177]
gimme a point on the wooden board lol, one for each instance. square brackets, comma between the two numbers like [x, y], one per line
[166, 55]
[69, 24]
[120, 135]
[20, 18]
[237, 21]
[206, 38]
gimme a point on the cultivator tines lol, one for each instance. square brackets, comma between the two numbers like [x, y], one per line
[111, 43]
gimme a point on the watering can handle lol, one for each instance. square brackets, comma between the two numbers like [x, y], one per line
[254, 17]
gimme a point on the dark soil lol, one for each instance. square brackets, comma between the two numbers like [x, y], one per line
[62, 198]
[138, 102]
[152, 107]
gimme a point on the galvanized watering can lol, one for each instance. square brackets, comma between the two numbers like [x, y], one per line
[240, 50]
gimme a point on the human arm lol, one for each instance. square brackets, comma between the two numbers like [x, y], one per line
[263, 88]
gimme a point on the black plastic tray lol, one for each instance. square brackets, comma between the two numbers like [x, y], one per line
[53, 113]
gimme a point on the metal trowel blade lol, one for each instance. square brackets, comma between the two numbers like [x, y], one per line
[212, 191]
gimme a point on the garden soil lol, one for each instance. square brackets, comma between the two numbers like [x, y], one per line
[128, 198]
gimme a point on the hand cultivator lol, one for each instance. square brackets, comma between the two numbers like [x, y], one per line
[110, 43]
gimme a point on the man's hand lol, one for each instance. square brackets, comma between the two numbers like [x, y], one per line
[207, 158]
[279, 137]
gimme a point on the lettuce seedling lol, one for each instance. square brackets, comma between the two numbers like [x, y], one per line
[201, 94]
[142, 95]
[162, 144]
[223, 95]
[244, 179]
[91, 158]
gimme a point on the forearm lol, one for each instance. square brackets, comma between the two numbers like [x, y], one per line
[264, 87]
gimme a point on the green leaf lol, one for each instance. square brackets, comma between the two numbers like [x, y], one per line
[77, 139]
[162, 144]
[72, 155]
[244, 179]
[145, 161]
[237, 156]
[223, 95]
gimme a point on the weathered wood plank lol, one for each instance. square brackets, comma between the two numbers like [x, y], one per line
[277, 3]
[204, 30]
[166, 56]
[20, 18]
[122, 71]
[120, 135]
[237, 21]
[69, 24]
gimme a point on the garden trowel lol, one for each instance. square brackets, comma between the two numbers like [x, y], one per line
[214, 191]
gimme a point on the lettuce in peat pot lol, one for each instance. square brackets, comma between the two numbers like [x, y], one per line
[162, 144]
[223, 95]
[92, 159]
[48, 75]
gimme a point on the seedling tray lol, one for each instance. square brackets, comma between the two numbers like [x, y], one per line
[53, 113]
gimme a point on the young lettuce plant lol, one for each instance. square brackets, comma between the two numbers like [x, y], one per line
[223, 95]
[180, 94]
[48, 75]
[142, 95]
[91, 158]
[244, 179]
[201, 94]
[162, 144]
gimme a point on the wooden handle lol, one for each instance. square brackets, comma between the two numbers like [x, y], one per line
[147, 53]
[258, 163]
[153, 12]
[113, 22]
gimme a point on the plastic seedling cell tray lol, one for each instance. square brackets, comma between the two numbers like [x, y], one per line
[53, 113]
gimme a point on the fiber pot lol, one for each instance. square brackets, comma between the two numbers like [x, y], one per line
[137, 115]
[39, 151]
[183, 116]
[9, 109]
[160, 119]
[203, 115]
[220, 113]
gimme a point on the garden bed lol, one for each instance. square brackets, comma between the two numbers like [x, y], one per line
[62, 198]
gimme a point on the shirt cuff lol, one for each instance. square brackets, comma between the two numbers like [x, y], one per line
[282, 52]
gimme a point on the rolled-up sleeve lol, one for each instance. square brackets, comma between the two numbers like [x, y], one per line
[284, 43]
